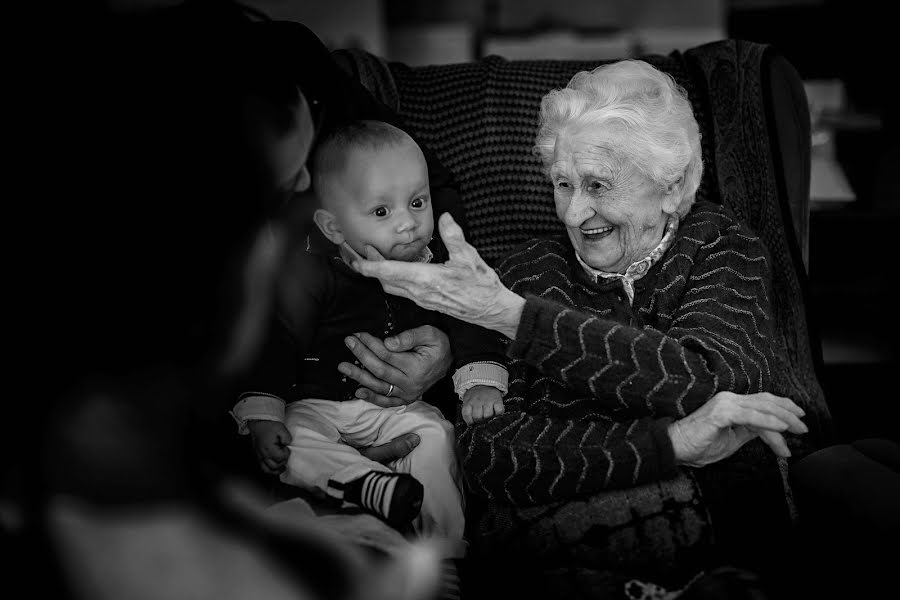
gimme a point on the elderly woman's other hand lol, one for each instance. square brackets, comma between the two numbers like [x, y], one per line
[464, 287]
[727, 421]
[400, 369]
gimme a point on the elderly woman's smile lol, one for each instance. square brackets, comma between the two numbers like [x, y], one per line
[614, 213]
[596, 233]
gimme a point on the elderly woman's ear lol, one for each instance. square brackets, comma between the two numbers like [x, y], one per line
[674, 194]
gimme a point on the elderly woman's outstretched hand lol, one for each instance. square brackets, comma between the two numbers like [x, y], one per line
[727, 421]
[464, 287]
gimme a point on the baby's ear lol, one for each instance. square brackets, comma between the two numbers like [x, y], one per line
[328, 225]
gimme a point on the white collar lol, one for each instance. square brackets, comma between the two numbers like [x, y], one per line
[638, 268]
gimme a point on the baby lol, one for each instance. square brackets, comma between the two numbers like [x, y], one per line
[371, 181]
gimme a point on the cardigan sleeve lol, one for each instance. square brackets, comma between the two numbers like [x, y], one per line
[719, 338]
[623, 384]
[525, 458]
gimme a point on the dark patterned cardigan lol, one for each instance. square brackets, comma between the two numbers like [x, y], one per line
[594, 381]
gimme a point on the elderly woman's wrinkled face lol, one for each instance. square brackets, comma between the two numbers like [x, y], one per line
[614, 214]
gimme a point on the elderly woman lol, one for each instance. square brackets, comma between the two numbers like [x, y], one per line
[641, 343]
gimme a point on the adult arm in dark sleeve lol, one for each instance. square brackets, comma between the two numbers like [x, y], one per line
[301, 291]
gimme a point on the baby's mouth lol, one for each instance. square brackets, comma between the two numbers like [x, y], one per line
[596, 233]
[408, 249]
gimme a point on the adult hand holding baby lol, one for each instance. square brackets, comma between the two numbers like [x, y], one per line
[399, 369]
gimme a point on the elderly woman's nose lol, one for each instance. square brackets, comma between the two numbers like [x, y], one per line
[579, 209]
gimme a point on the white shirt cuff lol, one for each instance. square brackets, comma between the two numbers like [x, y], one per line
[480, 373]
[257, 406]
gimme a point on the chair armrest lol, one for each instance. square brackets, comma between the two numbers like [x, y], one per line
[787, 112]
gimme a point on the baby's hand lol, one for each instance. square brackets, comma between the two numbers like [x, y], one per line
[270, 442]
[480, 403]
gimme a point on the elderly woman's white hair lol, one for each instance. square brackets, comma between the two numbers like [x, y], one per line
[663, 138]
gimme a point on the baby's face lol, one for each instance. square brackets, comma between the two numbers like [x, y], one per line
[383, 200]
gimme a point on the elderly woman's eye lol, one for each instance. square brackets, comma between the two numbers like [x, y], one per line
[597, 186]
[381, 211]
[562, 184]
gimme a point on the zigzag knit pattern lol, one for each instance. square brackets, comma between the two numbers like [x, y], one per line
[594, 378]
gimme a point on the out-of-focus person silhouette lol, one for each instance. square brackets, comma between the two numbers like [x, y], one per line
[178, 148]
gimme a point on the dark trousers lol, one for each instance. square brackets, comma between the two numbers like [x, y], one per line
[848, 499]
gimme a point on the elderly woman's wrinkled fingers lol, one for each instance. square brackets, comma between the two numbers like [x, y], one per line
[757, 419]
[453, 237]
[372, 253]
[785, 403]
[383, 269]
[353, 253]
[461, 252]
[776, 442]
[795, 425]
[395, 290]
[782, 408]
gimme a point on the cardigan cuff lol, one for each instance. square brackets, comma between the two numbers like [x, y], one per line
[257, 406]
[526, 332]
[665, 453]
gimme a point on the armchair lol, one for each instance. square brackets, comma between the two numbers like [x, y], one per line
[480, 119]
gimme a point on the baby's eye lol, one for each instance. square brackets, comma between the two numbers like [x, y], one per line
[419, 202]
[381, 211]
